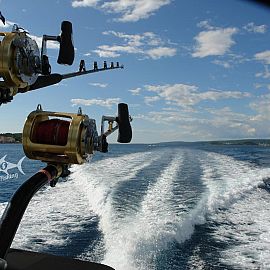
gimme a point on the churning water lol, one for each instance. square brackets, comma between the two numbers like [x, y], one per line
[153, 207]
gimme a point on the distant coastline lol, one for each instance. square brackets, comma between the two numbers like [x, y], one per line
[258, 142]
[6, 138]
[255, 142]
[10, 138]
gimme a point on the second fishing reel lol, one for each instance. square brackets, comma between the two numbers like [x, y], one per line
[24, 67]
[68, 138]
[21, 62]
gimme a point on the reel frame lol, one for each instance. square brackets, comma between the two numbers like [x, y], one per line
[74, 142]
[81, 138]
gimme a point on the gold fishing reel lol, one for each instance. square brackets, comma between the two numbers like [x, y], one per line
[61, 138]
[69, 138]
[19, 60]
[23, 66]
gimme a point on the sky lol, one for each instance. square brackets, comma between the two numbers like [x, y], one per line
[194, 70]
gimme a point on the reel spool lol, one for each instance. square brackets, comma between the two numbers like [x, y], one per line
[60, 138]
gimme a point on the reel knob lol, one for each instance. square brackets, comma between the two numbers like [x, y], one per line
[123, 120]
[66, 51]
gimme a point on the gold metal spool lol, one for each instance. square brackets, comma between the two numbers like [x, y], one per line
[8, 69]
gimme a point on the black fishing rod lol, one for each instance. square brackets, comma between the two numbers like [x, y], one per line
[25, 68]
[47, 80]
[17, 205]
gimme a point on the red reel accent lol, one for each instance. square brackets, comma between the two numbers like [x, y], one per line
[51, 132]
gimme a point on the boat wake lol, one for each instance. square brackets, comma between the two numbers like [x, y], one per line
[133, 207]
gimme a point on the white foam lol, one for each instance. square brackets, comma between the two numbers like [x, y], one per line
[55, 213]
[245, 216]
[99, 180]
[2, 208]
[235, 179]
[51, 216]
[134, 242]
[247, 223]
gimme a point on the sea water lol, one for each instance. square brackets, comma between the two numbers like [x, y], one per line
[164, 206]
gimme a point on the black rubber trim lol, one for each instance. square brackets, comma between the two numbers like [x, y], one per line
[28, 260]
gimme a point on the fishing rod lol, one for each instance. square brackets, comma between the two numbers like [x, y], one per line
[23, 67]
[59, 139]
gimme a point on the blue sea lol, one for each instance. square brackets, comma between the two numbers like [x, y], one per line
[163, 206]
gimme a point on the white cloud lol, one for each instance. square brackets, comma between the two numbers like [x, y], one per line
[260, 120]
[136, 91]
[85, 3]
[265, 74]
[261, 85]
[101, 85]
[148, 100]
[205, 124]
[120, 49]
[147, 44]
[225, 64]
[168, 117]
[129, 10]
[231, 123]
[251, 27]
[263, 57]
[8, 24]
[258, 85]
[214, 42]
[137, 40]
[212, 123]
[185, 96]
[50, 44]
[205, 24]
[109, 102]
[230, 60]
[262, 107]
[157, 53]
[106, 54]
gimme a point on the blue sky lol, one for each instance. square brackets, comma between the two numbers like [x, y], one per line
[194, 70]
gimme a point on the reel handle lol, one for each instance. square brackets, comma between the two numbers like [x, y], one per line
[123, 120]
[66, 51]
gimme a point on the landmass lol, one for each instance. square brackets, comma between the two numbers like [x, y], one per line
[259, 142]
[255, 142]
[17, 138]
[10, 137]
